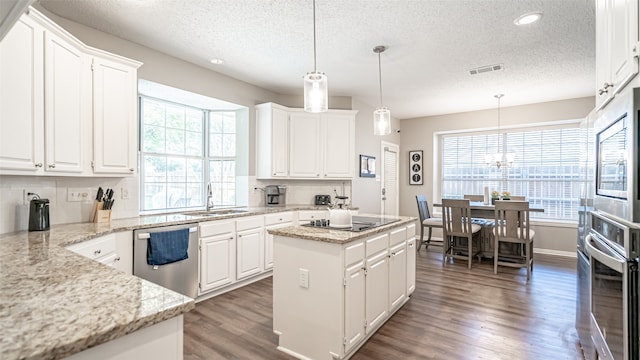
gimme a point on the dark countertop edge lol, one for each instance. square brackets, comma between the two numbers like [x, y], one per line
[323, 234]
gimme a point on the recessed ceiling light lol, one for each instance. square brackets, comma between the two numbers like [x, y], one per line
[216, 61]
[528, 18]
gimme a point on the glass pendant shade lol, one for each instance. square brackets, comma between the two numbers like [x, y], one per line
[316, 92]
[382, 121]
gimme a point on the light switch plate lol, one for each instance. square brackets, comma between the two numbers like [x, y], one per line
[303, 278]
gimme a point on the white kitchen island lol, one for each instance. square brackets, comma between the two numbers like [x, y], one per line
[332, 289]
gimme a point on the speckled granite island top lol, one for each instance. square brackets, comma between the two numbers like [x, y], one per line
[338, 236]
[55, 303]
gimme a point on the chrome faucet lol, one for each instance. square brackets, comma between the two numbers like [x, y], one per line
[209, 197]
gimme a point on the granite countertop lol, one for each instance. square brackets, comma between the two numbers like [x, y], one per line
[337, 236]
[55, 303]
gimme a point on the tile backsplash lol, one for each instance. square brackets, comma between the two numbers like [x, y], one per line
[299, 192]
[14, 202]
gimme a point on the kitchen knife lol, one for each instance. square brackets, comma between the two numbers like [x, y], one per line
[100, 194]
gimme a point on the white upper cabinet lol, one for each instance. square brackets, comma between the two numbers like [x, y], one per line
[115, 135]
[21, 107]
[53, 111]
[317, 146]
[617, 47]
[66, 71]
[339, 144]
[304, 150]
[272, 134]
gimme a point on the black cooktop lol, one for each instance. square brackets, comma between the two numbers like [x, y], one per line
[360, 223]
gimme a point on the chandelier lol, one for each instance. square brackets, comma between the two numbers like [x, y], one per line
[499, 159]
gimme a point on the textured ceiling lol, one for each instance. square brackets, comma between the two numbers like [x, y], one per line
[431, 46]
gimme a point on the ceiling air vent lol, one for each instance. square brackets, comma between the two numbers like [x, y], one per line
[484, 69]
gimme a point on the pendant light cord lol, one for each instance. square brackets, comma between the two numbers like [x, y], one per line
[380, 77]
[315, 69]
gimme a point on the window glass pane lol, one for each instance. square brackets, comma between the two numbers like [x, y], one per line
[175, 117]
[215, 122]
[155, 169]
[194, 143]
[153, 112]
[215, 171]
[175, 141]
[228, 122]
[155, 196]
[176, 195]
[176, 170]
[229, 145]
[229, 171]
[195, 171]
[194, 120]
[215, 145]
[153, 139]
[194, 194]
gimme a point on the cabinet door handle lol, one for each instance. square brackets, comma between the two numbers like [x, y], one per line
[116, 259]
[131, 169]
[97, 252]
[38, 165]
[231, 238]
[52, 166]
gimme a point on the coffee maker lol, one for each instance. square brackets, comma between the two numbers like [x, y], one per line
[275, 195]
[38, 213]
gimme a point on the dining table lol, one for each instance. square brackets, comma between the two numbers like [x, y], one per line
[483, 215]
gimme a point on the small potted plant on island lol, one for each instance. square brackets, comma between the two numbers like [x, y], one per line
[495, 195]
[506, 195]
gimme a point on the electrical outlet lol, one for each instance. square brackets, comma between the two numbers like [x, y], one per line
[124, 193]
[78, 195]
[303, 278]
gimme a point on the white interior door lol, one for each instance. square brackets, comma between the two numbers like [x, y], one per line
[389, 192]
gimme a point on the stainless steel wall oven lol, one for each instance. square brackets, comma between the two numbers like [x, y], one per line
[613, 247]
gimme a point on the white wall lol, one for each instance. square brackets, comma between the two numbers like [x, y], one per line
[418, 134]
[367, 191]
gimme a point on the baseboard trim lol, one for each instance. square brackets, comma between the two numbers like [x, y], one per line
[569, 254]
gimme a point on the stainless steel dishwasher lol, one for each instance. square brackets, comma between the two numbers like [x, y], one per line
[180, 276]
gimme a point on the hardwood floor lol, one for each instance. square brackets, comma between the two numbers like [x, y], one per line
[455, 313]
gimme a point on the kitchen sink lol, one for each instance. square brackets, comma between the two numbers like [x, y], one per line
[215, 212]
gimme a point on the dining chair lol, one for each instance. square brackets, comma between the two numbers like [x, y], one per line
[457, 226]
[474, 197]
[518, 198]
[426, 221]
[512, 226]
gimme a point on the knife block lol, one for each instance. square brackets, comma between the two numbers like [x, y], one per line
[100, 216]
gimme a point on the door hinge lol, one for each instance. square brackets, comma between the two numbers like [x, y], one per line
[92, 164]
[91, 66]
[344, 341]
[200, 286]
[636, 50]
[344, 282]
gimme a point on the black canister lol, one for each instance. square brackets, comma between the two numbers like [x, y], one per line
[39, 215]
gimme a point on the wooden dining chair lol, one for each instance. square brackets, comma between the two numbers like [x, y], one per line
[426, 221]
[456, 227]
[512, 226]
[518, 198]
[473, 197]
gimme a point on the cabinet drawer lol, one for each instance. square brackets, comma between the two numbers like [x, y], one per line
[411, 231]
[95, 248]
[353, 252]
[278, 218]
[251, 222]
[376, 244]
[212, 228]
[308, 215]
[397, 236]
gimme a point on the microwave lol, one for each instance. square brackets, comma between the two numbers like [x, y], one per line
[616, 143]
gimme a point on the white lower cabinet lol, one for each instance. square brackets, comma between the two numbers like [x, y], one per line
[217, 254]
[115, 250]
[343, 291]
[250, 244]
[411, 259]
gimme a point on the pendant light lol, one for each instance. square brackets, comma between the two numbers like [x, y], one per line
[499, 159]
[316, 98]
[382, 115]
